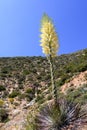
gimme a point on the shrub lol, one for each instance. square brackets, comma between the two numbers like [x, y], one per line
[78, 96]
[25, 72]
[3, 115]
[30, 94]
[29, 90]
[5, 94]
[1, 102]
[49, 97]
[5, 70]
[85, 97]
[2, 88]
[14, 94]
[40, 97]
[22, 96]
[11, 100]
[20, 86]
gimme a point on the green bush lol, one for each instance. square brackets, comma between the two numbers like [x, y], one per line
[22, 96]
[14, 94]
[29, 90]
[78, 96]
[5, 94]
[3, 115]
[40, 98]
[26, 72]
[20, 86]
[49, 97]
[2, 88]
[5, 70]
[85, 96]
[30, 94]
[1, 102]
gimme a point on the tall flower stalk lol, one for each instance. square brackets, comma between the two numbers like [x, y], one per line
[49, 43]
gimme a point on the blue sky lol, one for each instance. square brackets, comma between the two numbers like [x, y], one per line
[20, 25]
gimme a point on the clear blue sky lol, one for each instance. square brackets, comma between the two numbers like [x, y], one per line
[20, 25]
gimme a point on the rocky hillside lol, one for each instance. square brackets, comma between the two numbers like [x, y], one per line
[22, 79]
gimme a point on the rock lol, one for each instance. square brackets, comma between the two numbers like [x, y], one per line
[15, 112]
[30, 104]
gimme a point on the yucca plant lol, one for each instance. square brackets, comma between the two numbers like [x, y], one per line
[70, 117]
[50, 45]
[59, 114]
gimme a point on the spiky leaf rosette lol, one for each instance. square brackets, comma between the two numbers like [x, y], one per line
[69, 117]
[49, 39]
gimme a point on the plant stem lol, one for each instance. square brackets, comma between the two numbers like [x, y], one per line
[54, 89]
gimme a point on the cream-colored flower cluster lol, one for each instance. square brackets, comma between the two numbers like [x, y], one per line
[49, 39]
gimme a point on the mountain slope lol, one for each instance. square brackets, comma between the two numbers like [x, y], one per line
[22, 78]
